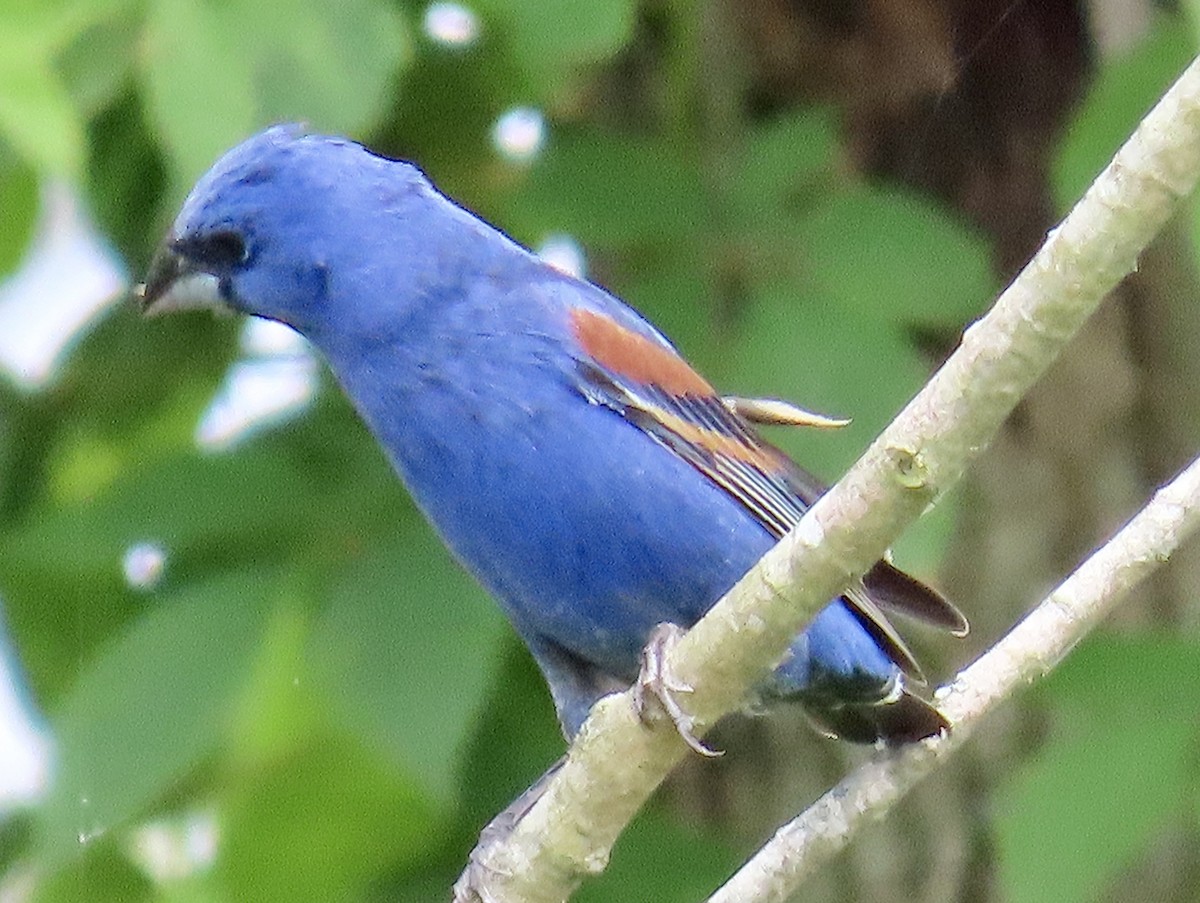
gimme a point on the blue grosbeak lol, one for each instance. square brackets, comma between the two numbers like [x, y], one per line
[573, 461]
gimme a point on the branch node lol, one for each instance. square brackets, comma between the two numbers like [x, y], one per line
[909, 467]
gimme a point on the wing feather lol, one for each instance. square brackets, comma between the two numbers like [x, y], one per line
[681, 412]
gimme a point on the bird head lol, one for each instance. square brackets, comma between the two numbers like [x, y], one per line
[277, 221]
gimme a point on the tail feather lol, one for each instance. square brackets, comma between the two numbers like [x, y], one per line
[906, 719]
[892, 589]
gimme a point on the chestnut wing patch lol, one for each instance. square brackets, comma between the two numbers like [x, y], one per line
[634, 357]
[648, 384]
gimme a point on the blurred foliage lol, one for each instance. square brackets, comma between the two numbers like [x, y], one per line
[1114, 771]
[313, 669]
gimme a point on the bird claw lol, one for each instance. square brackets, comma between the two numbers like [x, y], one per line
[656, 682]
[473, 884]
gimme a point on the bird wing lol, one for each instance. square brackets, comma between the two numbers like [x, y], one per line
[653, 387]
[649, 384]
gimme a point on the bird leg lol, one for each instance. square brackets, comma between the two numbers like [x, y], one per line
[656, 688]
[654, 695]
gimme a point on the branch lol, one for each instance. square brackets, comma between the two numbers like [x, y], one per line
[1029, 651]
[616, 762]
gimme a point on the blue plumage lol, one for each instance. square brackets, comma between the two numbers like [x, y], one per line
[591, 480]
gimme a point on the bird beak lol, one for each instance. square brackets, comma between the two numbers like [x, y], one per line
[174, 283]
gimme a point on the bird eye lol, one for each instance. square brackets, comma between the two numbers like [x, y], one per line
[216, 251]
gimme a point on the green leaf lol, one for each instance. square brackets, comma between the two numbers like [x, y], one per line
[205, 513]
[214, 73]
[106, 876]
[800, 143]
[1119, 675]
[1122, 92]
[332, 65]
[897, 258]
[189, 503]
[828, 356]
[550, 38]
[407, 650]
[198, 84]
[44, 27]
[1118, 766]
[518, 719]
[320, 824]
[37, 115]
[783, 158]
[96, 65]
[126, 180]
[834, 337]
[19, 201]
[610, 191]
[149, 708]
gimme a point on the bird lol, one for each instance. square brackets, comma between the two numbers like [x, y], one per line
[589, 478]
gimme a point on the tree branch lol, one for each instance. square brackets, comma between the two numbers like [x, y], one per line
[1029, 651]
[616, 762]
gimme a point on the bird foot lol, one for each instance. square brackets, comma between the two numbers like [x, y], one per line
[656, 682]
[473, 884]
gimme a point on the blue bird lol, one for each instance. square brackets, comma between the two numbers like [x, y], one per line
[586, 475]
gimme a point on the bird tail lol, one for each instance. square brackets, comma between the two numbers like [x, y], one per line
[850, 684]
[906, 718]
[895, 591]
